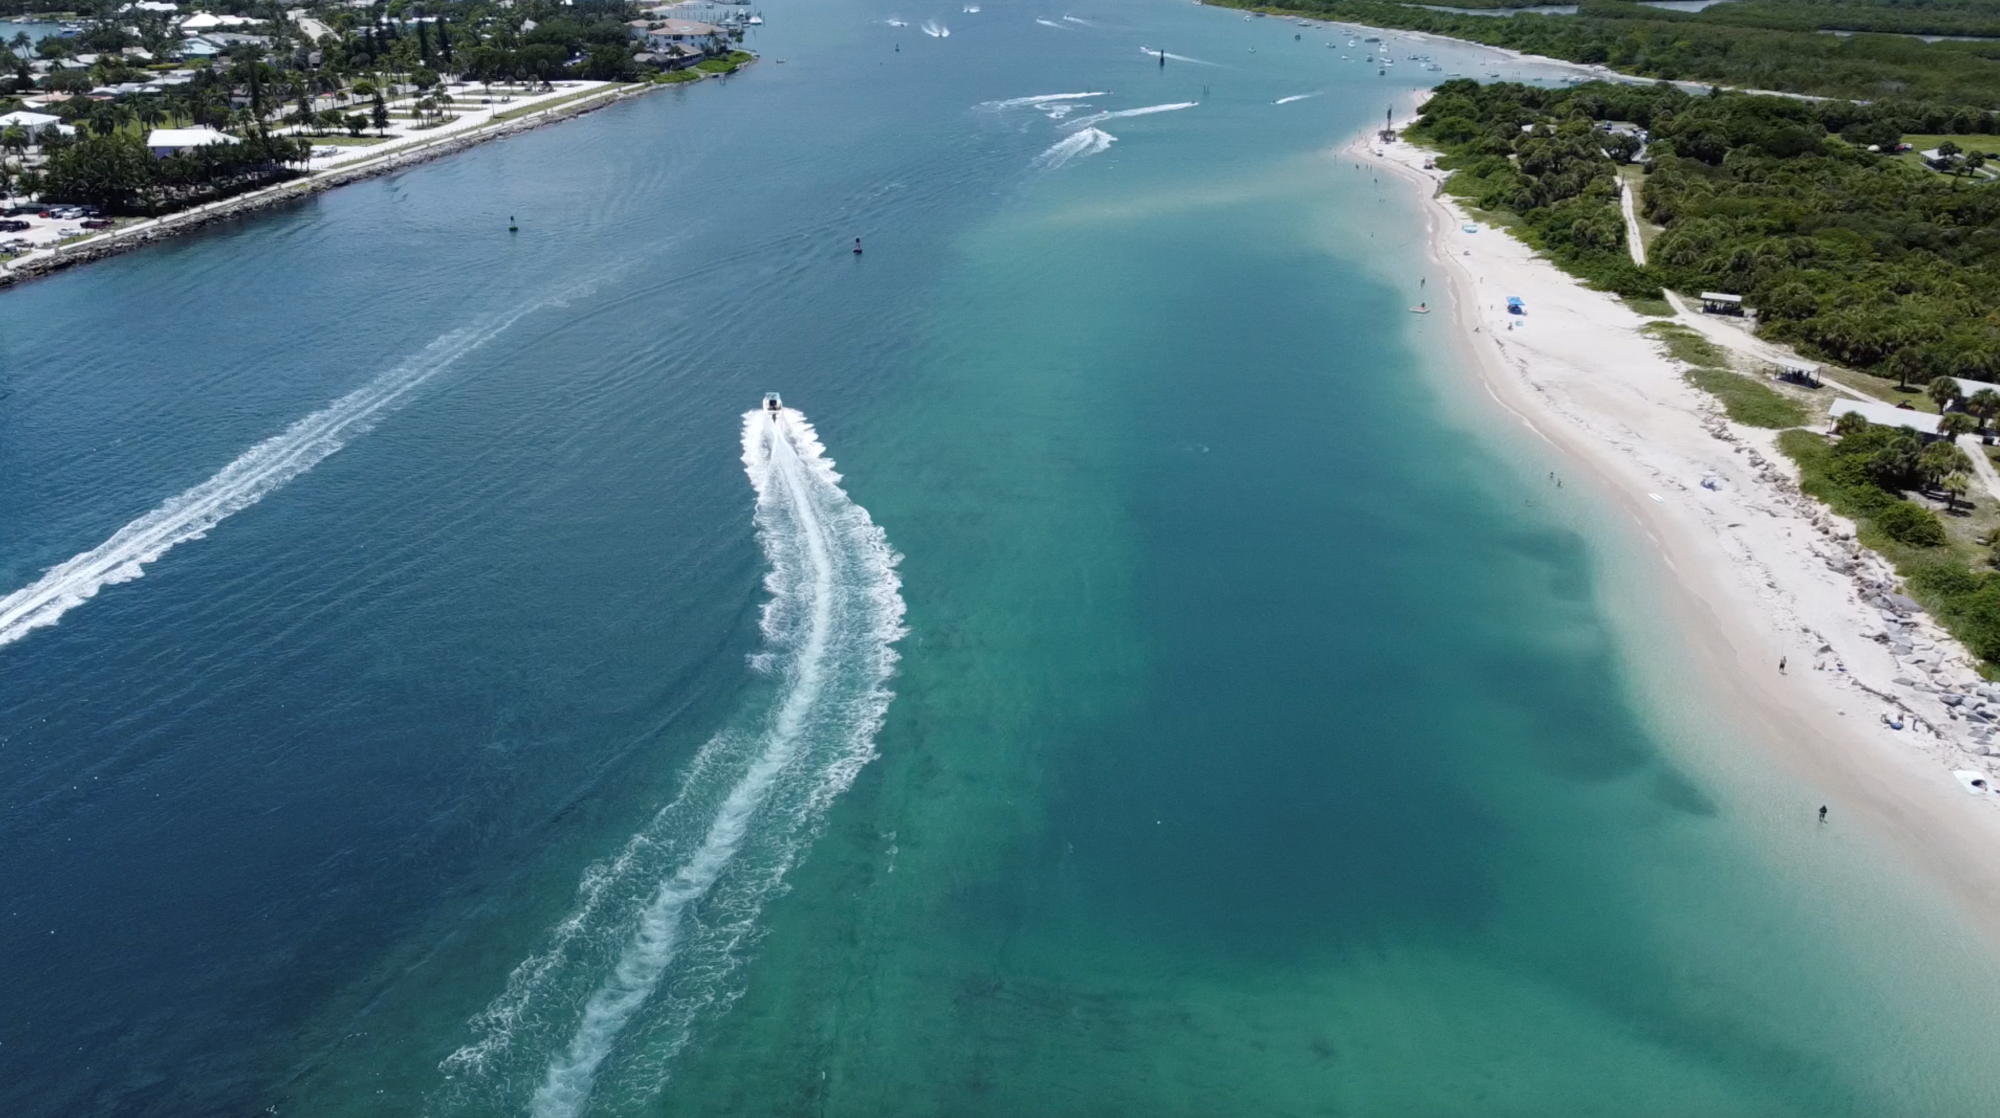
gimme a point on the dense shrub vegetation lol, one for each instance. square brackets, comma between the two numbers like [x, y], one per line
[1771, 45]
[1850, 476]
[1864, 259]
[118, 173]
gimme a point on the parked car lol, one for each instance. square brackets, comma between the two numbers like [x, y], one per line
[11, 226]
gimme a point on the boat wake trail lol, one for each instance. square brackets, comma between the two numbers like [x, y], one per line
[1293, 97]
[1149, 110]
[1037, 99]
[1051, 23]
[593, 1021]
[242, 483]
[936, 30]
[1155, 52]
[1090, 141]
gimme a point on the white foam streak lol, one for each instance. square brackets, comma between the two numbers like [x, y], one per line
[1090, 141]
[1037, 99]
[1149, 110]
[1155, 52]
[242, 483]
[1073, 19]
[1051, 23]
[936, 30]
[672, 911]
[1293, 97]
[897, 22]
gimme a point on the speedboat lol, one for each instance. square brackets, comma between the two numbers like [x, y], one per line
[773, 405]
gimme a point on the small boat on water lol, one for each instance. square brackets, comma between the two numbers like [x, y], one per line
[773, 405]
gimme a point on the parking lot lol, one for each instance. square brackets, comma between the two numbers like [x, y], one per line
[32, 226]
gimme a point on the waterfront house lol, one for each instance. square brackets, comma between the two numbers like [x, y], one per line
[661, 34]
[163, 142]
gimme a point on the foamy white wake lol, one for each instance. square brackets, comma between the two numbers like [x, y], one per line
[242, 483]
[1149, 110]
[936, 30]
[1073, 19]
[1293, 97]
[1037, 99]
[658, 930]
[1155, 52]
[1051, 23]
[897, 22]
[1090, 141]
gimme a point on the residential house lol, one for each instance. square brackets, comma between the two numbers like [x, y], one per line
[662, 34]
[163, 142]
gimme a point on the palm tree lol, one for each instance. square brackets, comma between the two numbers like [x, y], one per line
[1985, 404]
[1955, 484]
[1953, 424]
[1940, 460]
[1943, 392]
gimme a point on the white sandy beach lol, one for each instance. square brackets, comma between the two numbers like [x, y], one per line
[1763, 571]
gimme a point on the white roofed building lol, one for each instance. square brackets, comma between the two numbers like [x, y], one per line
[163, 142]
[1887, 415]
[35, 124]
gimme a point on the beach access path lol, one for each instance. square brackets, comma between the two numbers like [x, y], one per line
[1759, 571]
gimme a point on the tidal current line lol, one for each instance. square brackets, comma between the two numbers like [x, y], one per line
[592, 1021]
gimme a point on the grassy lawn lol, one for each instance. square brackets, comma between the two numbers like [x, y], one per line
[347, 141]
[524, 110]
[1655, 308]
[1747, 400]
[1968, 143]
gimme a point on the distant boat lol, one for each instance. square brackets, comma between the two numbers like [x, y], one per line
[756, 21]
[773, 405]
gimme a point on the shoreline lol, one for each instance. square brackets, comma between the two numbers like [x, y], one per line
[154, 230]
[1759, 570]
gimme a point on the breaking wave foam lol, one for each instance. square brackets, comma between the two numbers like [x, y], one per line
[1090, 141]
[254, 475]
[597, 1016]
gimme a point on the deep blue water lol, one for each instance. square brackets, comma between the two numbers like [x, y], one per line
[1261, 742]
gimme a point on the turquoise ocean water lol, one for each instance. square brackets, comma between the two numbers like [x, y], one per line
[426, 692]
